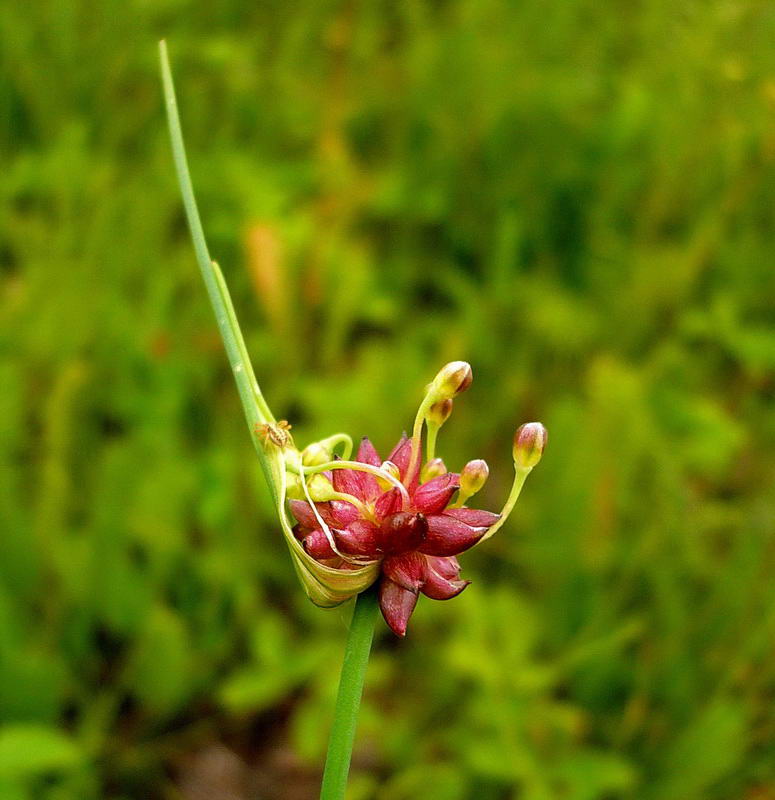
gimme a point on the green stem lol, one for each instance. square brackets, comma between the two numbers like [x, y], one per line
[339, 438]
[348, 699]
[414, 458]
[520, 476]
[430, 443]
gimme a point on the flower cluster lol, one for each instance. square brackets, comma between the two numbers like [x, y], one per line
[411, 520]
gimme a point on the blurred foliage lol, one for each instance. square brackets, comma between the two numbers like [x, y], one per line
[577, 197]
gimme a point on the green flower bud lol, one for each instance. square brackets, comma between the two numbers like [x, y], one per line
[293, 487]
[451, 380]
[473, 476]
[320, 488]
[529, 443]
[439, 412]
[315, 454]
[433, 469]
[391, 469]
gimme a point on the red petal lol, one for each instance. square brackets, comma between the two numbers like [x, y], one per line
[387, 503]
[371, 487]
[396, 604]
[432, 497]
[341, 514]
[474, 517]
[350, 481]
[438, 588]
[448, 567]
[448, 536]
[401, 453]
[407, 570]
[367, 454]
[359, 538]
[442, 578]
[336, 513]
[317, 545]
[400, 456]
[402, 532]
[303, 513]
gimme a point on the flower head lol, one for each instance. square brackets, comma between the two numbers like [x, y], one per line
[409, 521]
[414, 534]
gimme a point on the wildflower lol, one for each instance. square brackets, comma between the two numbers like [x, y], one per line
[411, 522]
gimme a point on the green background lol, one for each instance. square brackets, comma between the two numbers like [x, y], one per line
[577, 198]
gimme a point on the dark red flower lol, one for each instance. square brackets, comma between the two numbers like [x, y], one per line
[412, 529]
[396, 521]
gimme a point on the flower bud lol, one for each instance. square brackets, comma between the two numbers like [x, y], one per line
[402, 532]
[315, 454]
[293, 487]
[391, 469]
[316, 544]
[434, 496]
[529, 443]
[451, 380]
[360, 538]
[473, 476]
[320, 488]
[432, 469]
[439, 412]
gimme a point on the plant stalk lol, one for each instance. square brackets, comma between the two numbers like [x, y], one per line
[348, 699]
[358, 647]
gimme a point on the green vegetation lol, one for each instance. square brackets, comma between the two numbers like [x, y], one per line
[575, 197]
